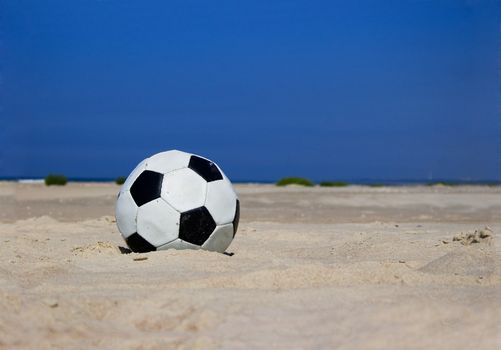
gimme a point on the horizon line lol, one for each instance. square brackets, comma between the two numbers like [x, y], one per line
[353, 181]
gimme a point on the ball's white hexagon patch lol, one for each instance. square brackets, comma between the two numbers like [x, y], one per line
[133, 176]
[166, 162]
[158, 222]
[126, 213]
[221, 201]
[184, 189]
[220, 239]
[178, 244]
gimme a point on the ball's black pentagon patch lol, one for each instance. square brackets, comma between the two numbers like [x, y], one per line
[205, 168]
[147, 187]
[236, 219]
[138, 244]
[196, 226]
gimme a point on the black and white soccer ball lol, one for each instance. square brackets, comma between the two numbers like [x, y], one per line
[177, 200]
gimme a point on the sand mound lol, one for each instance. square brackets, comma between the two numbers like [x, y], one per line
[99, 248]
[463, 263]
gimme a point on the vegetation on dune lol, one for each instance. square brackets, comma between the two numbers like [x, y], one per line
[333, 184]
[444, 183]
[120, 180]
[295, 181]
[376, 185]
[56, 179]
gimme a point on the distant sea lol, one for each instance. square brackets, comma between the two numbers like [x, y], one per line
[392, 182]
[24, 179]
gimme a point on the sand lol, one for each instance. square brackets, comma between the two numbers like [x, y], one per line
[316, 268]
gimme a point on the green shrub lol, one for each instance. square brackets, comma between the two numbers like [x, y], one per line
[120, 180]
[376, 185]
[55, 179]
[333, 184]
[295, 181]
[444, 183]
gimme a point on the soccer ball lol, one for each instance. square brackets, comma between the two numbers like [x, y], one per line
[177, 200]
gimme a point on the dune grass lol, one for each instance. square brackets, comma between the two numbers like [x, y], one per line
[333, 184]
[120, 180]
[295, 181]
[56, 179]
[444, 183]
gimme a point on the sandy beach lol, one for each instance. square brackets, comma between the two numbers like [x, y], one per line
[310, 268]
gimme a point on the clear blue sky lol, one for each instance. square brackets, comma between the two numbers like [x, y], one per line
[323, 89]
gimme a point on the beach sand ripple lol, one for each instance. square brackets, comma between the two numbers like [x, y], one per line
[401, 268]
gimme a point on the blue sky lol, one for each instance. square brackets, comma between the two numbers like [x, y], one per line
[323, 89]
